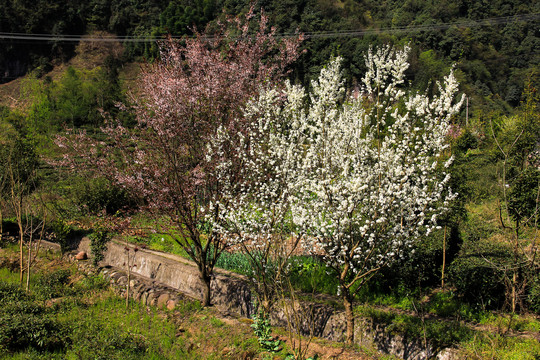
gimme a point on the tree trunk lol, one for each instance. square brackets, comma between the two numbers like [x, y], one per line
[349, 315]
[28, 264]
[515, 265]
[206, 289]
[443, 258]
[1, 223]
[21, 252]
[514, 281]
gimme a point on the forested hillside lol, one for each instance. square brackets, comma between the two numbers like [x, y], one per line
[494, 44]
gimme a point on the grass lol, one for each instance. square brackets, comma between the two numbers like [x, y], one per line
[520, 323]
[70, 315]
[307, 274]
[440, 334]
[9, 276]
[489, 341]
[498, 347]
[162, 242]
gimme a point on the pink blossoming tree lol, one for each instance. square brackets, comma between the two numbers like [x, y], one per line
[196, 88]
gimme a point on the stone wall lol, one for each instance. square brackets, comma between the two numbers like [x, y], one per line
[162, 279]
[229, 290]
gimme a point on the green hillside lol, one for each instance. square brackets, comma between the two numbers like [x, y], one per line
[494, 44]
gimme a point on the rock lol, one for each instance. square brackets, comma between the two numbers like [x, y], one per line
[448, 354]
[81, 256]
[162, 300]
[171, 304]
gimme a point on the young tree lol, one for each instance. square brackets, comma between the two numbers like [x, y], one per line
[517, 142]
[181, 101]
[258, 222]
[18, 179]
[366, 173]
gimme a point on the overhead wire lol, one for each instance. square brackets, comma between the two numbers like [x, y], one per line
[320, 34]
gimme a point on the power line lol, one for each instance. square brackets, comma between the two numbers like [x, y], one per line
[440, 26]
[320, 34]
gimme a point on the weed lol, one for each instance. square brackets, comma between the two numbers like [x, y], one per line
[308, 274]
[62, 232]
[498, 347]
[188, 307]
[439, 334]
[236, 261]
[98, 244]
[91, 282]
[263, 331]
[216, 322]
[53, 284]
[26, 324]
[511, 322]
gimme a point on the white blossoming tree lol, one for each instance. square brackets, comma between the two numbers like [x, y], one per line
[258, 222]
[362, 176]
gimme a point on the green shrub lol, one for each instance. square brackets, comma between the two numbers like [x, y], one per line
[477, 279]
[23, 330]
[98, 244]
[92, 282]
[25, 324]
[444, 304]
[98, 195]
[440, 334]
[499, 347]
[62, 233]
[444, 334]
[481, 181]
[534, 294]
[96, 341]
[234, 261]
[263, 332]
[10, 292]
[52, 285]
[309, 274]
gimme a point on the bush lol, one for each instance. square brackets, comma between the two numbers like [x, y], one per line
[10, 292]
[62, 233]
[98, 195]
[26, 324]
[419, 269]
[53, 284]
[534, 294]
[234, 261]
[23, 330]
[476, 278]
[91, 282]
[98, 244]
[99, 341]
[309, 274]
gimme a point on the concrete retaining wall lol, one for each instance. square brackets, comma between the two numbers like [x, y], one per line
[229, 290]
[163, 279]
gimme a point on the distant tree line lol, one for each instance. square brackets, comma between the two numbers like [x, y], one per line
[494, 61]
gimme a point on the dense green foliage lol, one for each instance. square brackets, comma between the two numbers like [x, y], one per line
[98, 244]
[18, 157]
[77, 99]
[494, 57]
